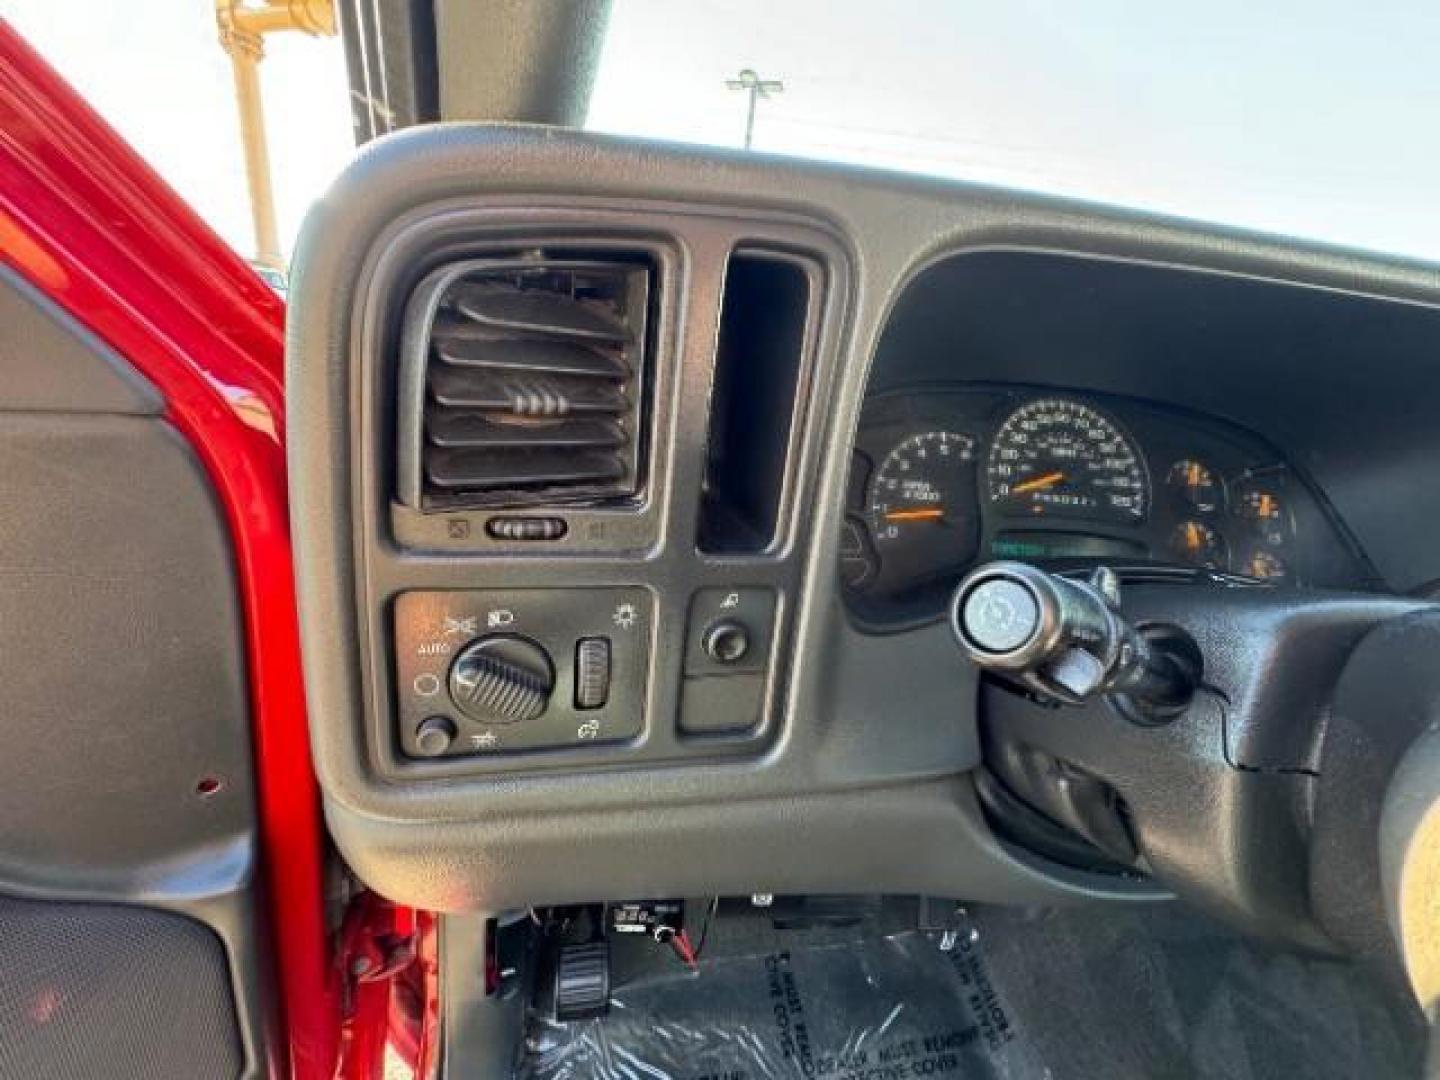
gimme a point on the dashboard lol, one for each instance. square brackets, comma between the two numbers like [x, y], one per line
[660, 617]
[945, 476]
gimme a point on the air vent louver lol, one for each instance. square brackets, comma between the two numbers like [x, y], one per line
[522, 383]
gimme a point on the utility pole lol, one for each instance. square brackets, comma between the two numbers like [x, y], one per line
[242, 28]
[757, 88]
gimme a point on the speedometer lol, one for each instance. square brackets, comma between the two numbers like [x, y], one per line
[1055, 457]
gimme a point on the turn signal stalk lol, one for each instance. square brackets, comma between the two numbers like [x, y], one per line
[1065, 640]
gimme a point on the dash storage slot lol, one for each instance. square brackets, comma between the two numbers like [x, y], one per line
[765, 324]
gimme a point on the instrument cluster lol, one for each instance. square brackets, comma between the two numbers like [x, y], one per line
[945, 478]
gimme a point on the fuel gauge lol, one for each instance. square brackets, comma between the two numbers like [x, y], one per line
[1198, 544]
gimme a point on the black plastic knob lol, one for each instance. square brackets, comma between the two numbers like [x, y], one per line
[727, 641]
[502, 679]
[434, 735]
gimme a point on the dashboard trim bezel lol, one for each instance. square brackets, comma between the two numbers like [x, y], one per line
[687, 244]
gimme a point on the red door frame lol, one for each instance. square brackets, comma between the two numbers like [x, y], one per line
[89, 223]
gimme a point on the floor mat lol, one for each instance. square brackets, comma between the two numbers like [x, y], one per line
[1161, 991]
[1090, 993]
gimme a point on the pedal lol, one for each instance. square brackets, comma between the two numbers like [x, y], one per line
[581, 983]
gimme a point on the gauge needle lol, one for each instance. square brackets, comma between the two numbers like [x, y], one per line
[928, 514]
[1038, 483]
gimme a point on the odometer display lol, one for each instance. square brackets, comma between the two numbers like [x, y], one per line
[1064, 545]
[1058, 458]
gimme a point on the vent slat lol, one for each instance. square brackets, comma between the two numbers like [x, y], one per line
[466, 430]
[525, 395]
[470, 346]
[537, 312]
[479, 470]
[527, 383]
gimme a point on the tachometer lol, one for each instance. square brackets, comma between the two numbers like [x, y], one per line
[1055, 457]
[922, 511]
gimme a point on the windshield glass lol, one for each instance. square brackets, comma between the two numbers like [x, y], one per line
[1314, 119]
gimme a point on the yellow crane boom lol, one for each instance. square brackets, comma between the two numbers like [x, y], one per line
[243, 27]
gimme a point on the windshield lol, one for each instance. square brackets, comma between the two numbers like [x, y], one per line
[1314, 119]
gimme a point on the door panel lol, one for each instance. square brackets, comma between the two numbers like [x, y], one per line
[128, 930]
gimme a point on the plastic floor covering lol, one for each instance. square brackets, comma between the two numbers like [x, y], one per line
[1089, 993]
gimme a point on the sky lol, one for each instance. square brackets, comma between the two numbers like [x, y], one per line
[1315, 118]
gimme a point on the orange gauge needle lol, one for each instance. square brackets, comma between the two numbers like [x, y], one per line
[930, 514]
[1037, 483]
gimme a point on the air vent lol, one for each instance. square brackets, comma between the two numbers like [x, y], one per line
[522, 384]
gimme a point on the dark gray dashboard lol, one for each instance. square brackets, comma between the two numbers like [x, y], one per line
[854, 772]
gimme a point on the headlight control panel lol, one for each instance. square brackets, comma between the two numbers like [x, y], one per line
[492, 672]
